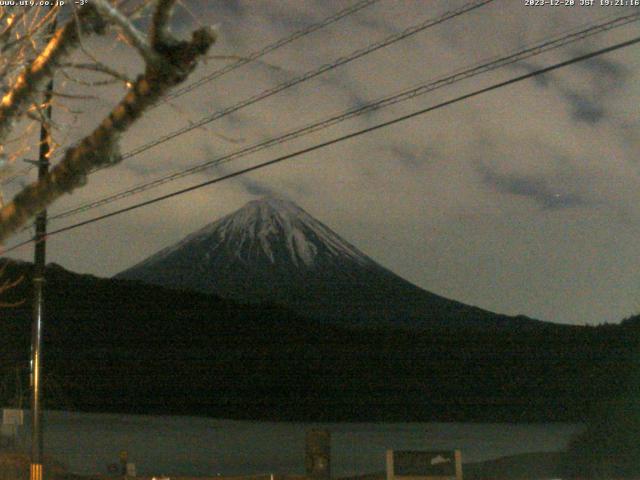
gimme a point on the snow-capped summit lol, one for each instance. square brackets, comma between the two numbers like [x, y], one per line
[271, 250]
[270, 230]
[264, 227]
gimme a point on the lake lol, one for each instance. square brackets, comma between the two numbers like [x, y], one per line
[195, 446]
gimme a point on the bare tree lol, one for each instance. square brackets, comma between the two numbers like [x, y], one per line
[27, 66]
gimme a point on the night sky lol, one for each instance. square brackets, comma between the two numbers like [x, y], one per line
[525, 200]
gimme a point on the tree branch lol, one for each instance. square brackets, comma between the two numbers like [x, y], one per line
[100, 68]
[159, 32]
[16, 101]
[131, 33]
[100, 148]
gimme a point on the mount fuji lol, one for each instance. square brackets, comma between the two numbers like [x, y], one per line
[272, 251]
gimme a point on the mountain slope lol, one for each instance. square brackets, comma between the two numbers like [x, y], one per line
[272, 250]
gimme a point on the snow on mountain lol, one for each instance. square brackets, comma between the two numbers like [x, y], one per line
[262, 227]
[271, 250]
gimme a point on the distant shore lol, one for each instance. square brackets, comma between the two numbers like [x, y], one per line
[533, 466]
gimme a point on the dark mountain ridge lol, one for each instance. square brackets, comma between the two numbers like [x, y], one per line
[124, 346]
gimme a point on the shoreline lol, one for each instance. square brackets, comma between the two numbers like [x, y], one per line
[526, 466]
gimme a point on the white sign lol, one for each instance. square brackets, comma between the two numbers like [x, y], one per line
[424, 465]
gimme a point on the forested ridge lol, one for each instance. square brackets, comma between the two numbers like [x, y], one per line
[123, 346]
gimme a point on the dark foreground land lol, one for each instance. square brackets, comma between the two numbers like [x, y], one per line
[122, 346]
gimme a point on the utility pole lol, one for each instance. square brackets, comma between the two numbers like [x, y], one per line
[36, 470]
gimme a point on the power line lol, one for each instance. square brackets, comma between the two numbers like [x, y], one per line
[342, 138]
[268, 49]
[421, 89]
[311, 74]
[248, 59]
[450, 14]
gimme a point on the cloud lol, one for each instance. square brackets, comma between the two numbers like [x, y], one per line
[255, 187]
[606, 69]
[233, 7]
[588, 97]
[535, 187]
[585, 96]
[247, 183]
[347, 92]
[290, 20]
[404, 155]
[541, 81]
[584, 108]
[411, 157]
